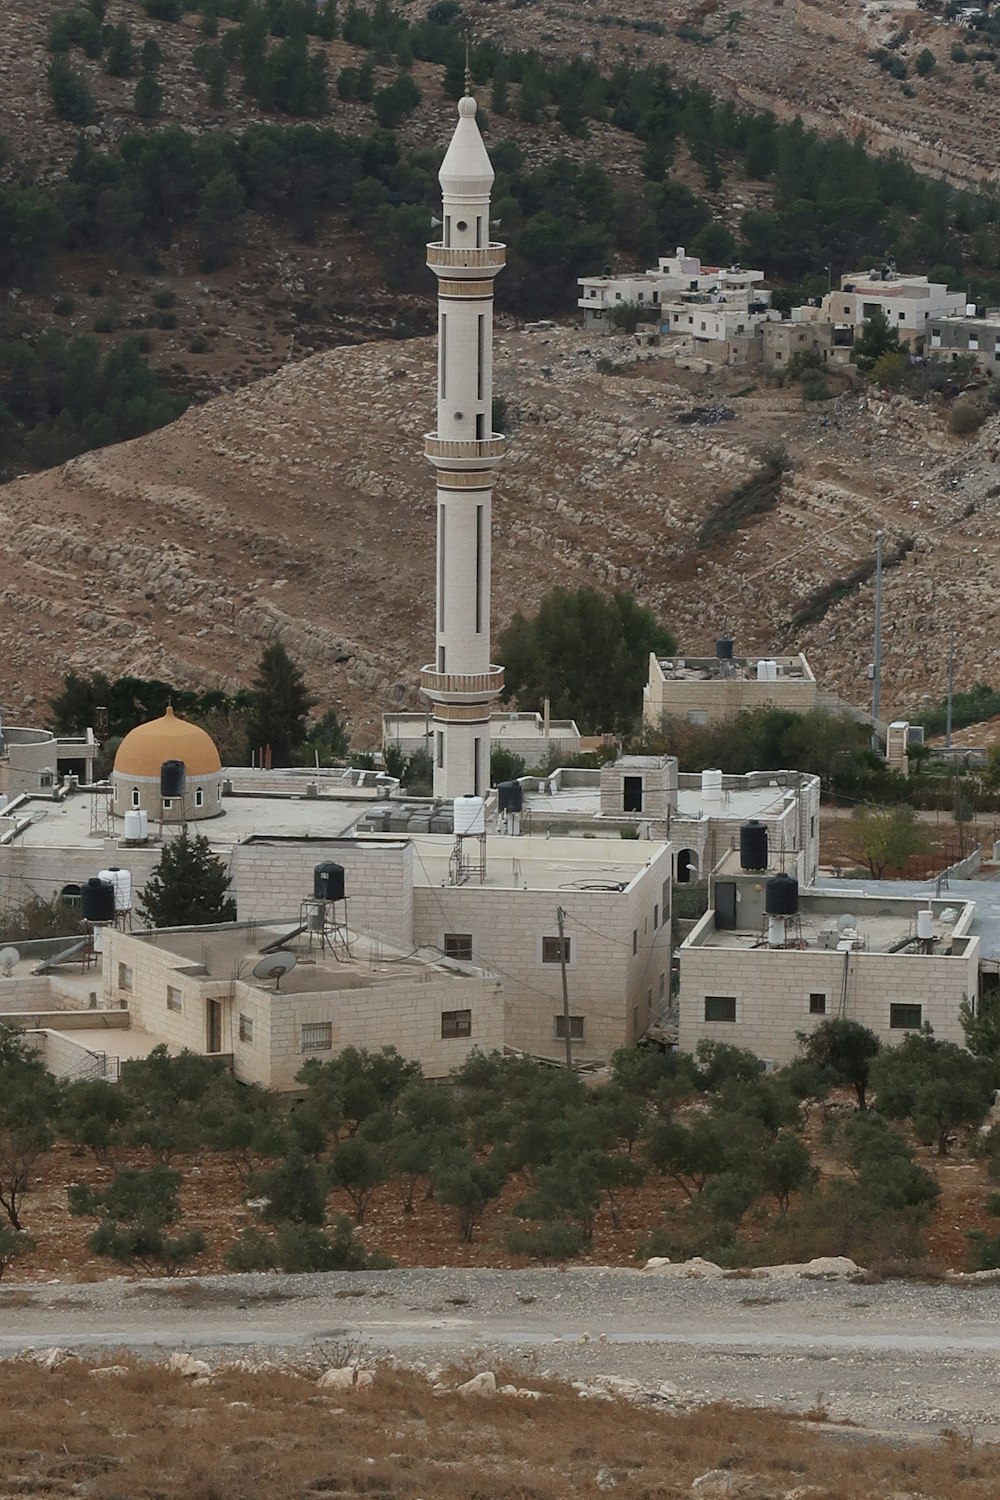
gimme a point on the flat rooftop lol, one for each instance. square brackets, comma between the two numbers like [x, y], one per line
[872, 924]
[585, 801]
[64, 825]
[234, 952]
[744, 668]
[541, 864]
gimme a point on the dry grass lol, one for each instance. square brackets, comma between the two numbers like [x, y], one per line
[149, 1435]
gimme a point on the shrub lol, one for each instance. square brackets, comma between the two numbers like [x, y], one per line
[965, 419]
[926, 63]
[148, 98]
[164, 298]
[70, 92]
[198, 345]
[64, 307]
[167, 320]
[551, 1240]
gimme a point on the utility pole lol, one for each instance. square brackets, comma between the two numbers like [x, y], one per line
[560, 916]
[951, 688]
[877, 663]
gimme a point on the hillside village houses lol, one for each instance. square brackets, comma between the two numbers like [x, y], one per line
[725, 314]
[529, 916]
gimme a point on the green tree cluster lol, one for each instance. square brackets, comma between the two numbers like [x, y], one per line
[587, 652]
[189, 886]
[59, 397]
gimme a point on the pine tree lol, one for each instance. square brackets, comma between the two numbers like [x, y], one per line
[189, 887]
[281, 703]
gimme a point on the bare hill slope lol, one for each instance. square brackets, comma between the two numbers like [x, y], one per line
[302, 504]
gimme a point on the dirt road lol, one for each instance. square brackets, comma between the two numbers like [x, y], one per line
[893, 1357]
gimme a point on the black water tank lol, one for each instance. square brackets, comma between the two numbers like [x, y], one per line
[328, 882]
[753, 845]
[724, 648]
[510, 797]
[97, 901]
[172, 778]
[781, 896]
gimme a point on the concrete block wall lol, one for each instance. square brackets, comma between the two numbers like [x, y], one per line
[37, 992]
[66, 1058]
[272, 877]
[153, 972]
[406, 1016]
[613, 988]
[772, 989]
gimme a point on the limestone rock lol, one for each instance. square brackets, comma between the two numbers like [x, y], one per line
[185, 1364]
[483, 1384]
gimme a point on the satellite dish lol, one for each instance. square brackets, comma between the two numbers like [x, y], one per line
[847, 923]
[9, 960]
[275, 966]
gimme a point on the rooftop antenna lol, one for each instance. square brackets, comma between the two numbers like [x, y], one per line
[275, 966]
[468, 71]
[877, 663]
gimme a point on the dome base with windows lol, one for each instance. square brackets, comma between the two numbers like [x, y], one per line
[142, 754]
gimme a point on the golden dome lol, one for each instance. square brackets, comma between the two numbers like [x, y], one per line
[145, 748]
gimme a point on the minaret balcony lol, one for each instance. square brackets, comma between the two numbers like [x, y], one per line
[460, 453]
[461, 687]
[492, 257]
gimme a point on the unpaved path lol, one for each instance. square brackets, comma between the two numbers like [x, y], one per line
[895, 1357]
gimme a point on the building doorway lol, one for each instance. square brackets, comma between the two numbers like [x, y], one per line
[687, 866]
[213, 1026]
[632, 794]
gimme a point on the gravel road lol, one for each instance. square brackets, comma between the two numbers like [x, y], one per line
[895, 1357]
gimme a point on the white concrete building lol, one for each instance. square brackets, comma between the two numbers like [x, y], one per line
[678, 283]
[462, 683]
[533, 736]
[893, 963]
[908, 302]
[36, 760]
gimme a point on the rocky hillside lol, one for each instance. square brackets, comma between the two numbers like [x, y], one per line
[302, 504]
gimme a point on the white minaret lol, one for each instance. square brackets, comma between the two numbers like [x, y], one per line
[462, 683]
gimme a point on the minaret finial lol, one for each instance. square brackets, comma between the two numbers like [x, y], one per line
[468, 71]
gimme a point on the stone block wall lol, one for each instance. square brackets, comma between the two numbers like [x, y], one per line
[272, 877]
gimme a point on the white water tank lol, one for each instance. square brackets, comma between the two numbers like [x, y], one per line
[470, 816]
[711, 786]
[121, 883]
[133, 827]
[925, 925]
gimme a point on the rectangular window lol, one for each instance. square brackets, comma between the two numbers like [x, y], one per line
[447, 231]
[556, 950]
[663, 985]
[817, 1004]
[905, 1017]
[656, 916]
[720, 1008]
[479, 569]
[317, 1036]
[665, 899]
[575, 1028]
[439, 740]
[635, 941]
[135, 796]
[174, 998]
[125, 978]
[479, 232]
[477, 766]
[480, 355]
[199, 798]
[441, 542]
[480, 426]
[246, 1028]
[168, 803]
[458, 945]
[440, 658]
[456, 1023]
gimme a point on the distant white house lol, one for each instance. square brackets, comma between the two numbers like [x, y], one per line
[678, 281]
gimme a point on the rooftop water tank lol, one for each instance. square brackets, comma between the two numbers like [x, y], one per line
[753, 845]
[711, 786]
[120, 882]
[133, 827]
[781, 896]
[470, 816]
[510, 797]
[172, 778]
[724, 648]
[925, 926]
[328, 882]
[97, 900]
[762, 671]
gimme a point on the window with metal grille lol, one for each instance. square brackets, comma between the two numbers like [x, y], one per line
[456, 1023]
[906, 1017]
[246, 1028]
[817, 1004]
[556, 950]
[458, 945]
[317, 1036]
[720, 1007]
[576, 1028]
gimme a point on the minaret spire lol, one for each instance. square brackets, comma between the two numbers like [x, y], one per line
[462, 683]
